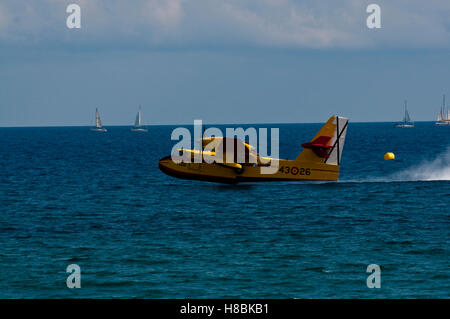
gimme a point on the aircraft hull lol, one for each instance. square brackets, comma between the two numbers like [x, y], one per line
[288, 171]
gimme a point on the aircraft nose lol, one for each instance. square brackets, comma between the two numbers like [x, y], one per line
[166, 166]
[164, 161]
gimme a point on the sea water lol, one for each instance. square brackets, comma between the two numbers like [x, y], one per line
[98, 200]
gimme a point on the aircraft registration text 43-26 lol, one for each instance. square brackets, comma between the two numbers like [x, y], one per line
[295, 170]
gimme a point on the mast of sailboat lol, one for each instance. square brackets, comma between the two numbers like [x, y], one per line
[441, 116]
[446, 114]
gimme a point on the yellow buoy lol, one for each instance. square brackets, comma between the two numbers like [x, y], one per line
[389, 156]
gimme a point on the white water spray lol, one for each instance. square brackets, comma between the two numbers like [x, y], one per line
[435, 170]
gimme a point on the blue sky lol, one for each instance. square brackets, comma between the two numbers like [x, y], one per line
[223, 61]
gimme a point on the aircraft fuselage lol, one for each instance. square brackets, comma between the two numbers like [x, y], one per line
[288, 171]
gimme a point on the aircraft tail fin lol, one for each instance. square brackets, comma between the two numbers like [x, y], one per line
[327, 145]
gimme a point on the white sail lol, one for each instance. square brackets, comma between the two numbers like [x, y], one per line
[440, 118]
[137, 123]
[444, 114]
[406, 118]
[98, 122]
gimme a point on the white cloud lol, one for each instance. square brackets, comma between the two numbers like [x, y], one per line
[206, 23]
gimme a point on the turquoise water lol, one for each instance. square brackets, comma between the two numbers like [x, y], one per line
[98, 200]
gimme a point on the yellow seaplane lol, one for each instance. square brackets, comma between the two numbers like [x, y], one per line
[319, 160]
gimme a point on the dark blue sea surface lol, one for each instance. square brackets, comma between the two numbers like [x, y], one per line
[72, 196]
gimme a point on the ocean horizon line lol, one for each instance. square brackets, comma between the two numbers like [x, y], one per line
[204, 123]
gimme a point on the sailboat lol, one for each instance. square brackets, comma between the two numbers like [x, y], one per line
[138, 123]
[98, 123]
[443, 117]
[406, 119]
